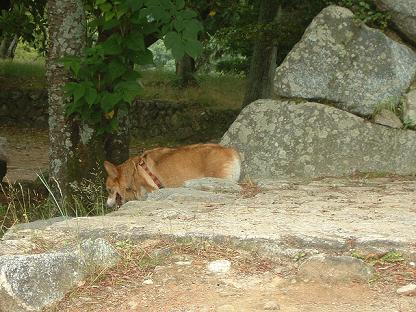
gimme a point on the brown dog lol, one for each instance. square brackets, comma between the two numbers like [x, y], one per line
[169, 167]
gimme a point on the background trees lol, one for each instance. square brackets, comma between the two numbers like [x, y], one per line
[106, 42]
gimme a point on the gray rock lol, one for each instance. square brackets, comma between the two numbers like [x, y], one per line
[32, 282]
[388, 118]
[407, 290]
[403, 15]
[213, 185]
[346, 63]
[16, 246]
[333, 269]
[182, 194]
[409, 108]
[38, 224]
[278, 139]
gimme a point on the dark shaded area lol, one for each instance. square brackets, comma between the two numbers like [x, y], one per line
[3, 169]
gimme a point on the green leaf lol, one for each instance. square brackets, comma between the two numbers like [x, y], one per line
[180, 4]
[116, 69]
[129, 89]
[134, 5]
[111, 46]
[70, 88]
[135, 41]
[192, 28]
[178, 24]
[111, 24]
[79, 92]
[193, 48]
[109, 101]
[143, 58]
[188, 14]
[175, 43]
[171, 39]
[90, 96]
[105, 7]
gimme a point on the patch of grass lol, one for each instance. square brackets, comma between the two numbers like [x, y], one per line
[25, 71]
[24, 202]
[379, 258]
[390, 105]
[213, 91]
[409, 124]
[15, 75]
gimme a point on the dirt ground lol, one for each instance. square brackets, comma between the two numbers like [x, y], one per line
[28, 152]
[182, 282]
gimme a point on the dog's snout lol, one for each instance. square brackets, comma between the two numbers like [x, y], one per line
[119, 200]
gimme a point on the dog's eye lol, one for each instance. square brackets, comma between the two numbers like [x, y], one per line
[109, 191]
[129, 189]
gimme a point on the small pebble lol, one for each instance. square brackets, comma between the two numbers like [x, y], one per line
[183, 262]
[147, 282]
[219, 266]
[271, 306]
[409, 289]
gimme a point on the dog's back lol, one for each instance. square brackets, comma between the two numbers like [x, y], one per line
[174, 166]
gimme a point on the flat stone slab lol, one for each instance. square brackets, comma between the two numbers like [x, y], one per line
[333, 214]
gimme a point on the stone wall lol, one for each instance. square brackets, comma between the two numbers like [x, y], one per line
[152, 118]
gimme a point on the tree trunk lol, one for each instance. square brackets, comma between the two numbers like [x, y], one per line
[263, 61]
[117, 144]
[12, 47]
[4, 45]
[74, 147]
[185, 70]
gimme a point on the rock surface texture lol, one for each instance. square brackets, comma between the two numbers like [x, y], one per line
[288, 139]
[282, 219]
[333, 269]
[403, 15]
[32, 282]
[346, 63]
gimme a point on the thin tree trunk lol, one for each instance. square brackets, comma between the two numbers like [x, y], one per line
[185, 70]
[73, 146]
[117, 144]
[263, 61]
[4, 45]
[12, 47]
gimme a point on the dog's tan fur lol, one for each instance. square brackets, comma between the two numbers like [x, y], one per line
[172, 166]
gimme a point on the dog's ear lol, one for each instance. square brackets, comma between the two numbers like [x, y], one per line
[111, 169]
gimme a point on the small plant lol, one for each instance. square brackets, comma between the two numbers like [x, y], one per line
[366, 11]
[409, 124]
[390, 105]
[379, 259]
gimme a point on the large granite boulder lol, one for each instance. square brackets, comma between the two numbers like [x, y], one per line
[347, 64]
[403, 15]
[289, 139]
[33, 282]
[3, 158]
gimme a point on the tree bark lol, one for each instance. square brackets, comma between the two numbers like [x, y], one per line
[12, 47]
[74, 147]
[117, 144]
[185, 70]
[4, 46]
[263, 61]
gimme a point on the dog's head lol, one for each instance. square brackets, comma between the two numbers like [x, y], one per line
[125, 182]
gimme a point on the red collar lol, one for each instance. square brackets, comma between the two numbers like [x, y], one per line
[154, 178]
